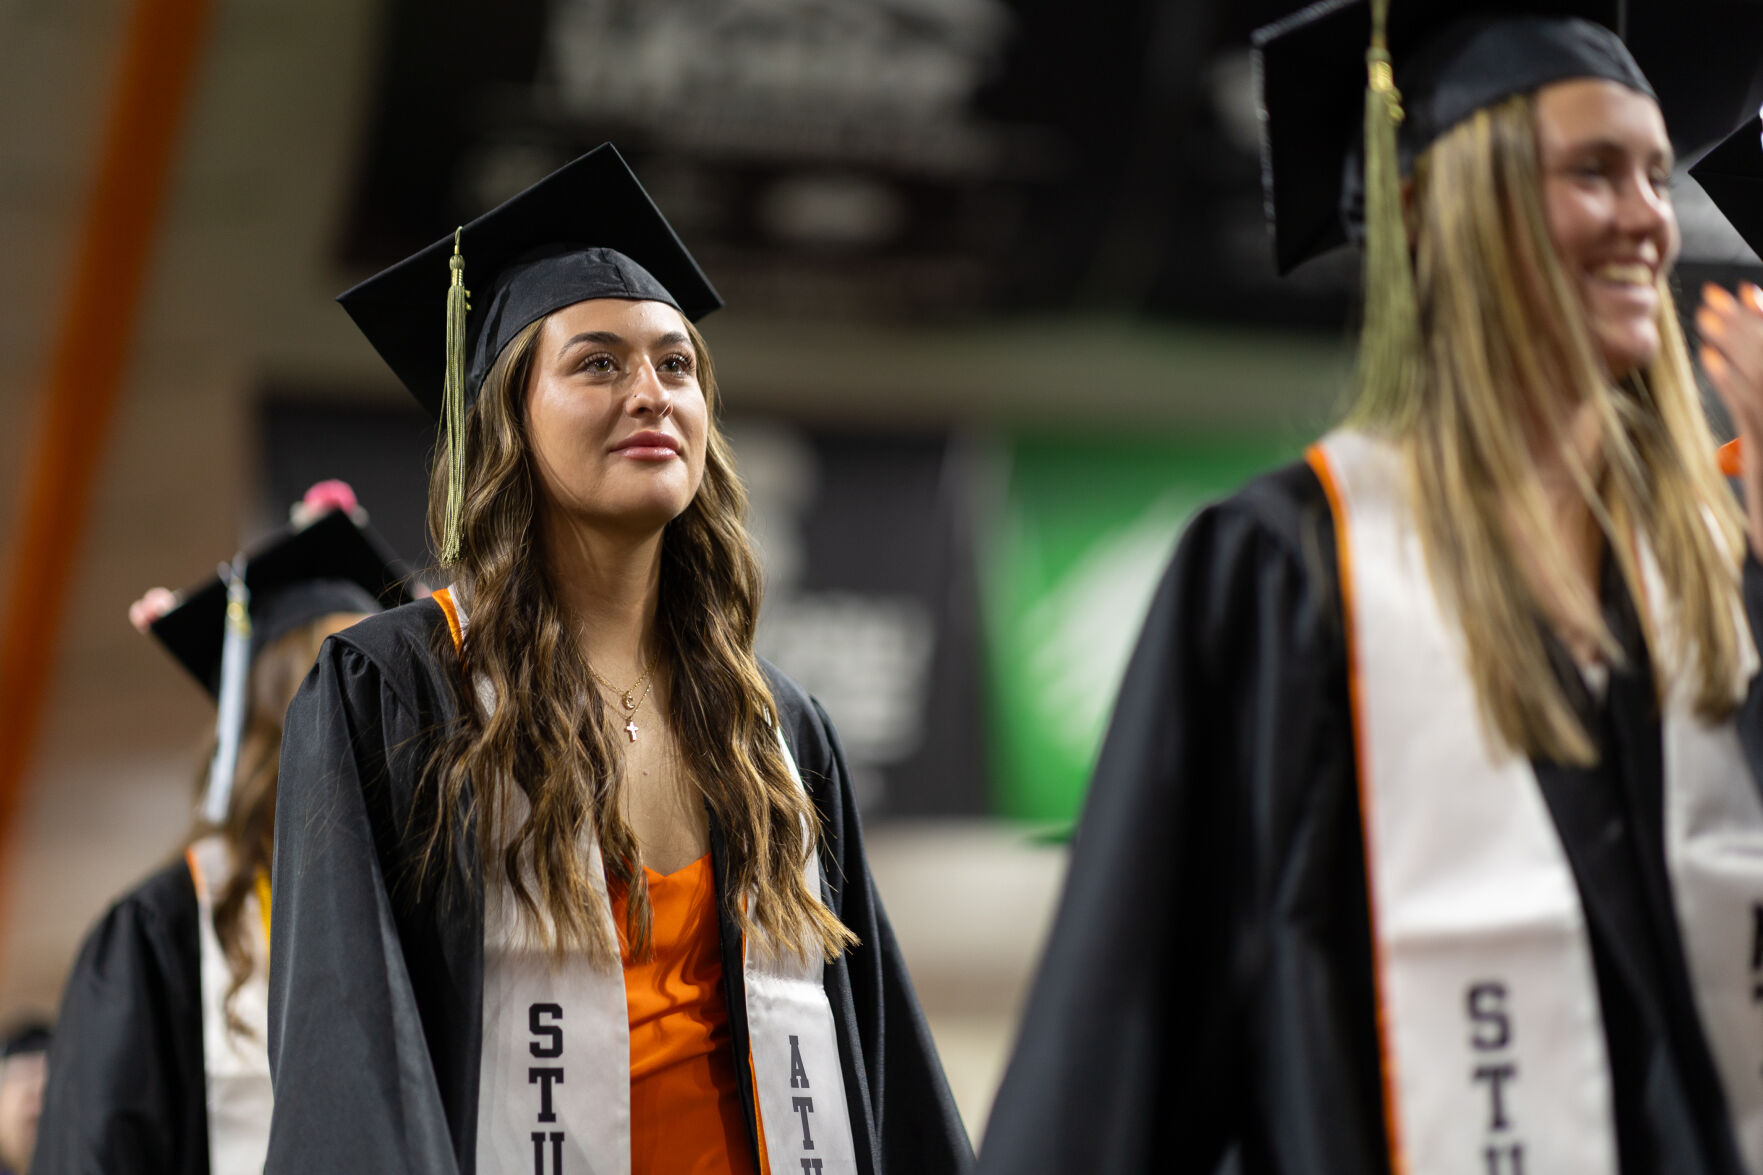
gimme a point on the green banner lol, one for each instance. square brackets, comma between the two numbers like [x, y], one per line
[1083, 532]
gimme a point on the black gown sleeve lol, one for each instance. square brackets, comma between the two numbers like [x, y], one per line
[1138, 1048]
[126, 1090]
[355, 1087]
[902, 1099]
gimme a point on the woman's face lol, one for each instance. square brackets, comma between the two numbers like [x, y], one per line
[1606, 161]
[615, 416]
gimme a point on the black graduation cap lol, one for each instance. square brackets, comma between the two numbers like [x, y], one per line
[1451, 58]
[1732, 175]
[587, 230]
[296, 576]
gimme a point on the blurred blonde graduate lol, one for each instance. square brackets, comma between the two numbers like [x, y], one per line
[1423, 838]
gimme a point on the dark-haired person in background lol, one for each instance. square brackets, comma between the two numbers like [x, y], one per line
[159, 1062]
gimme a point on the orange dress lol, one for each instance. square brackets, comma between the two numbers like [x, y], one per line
[686, 1115]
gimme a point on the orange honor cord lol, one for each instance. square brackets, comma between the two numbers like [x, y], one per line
[196, 878]
[444, 598]
[1318, 461]
[263, 905]
[160, 50]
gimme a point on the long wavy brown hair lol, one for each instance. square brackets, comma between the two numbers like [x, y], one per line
[1507, 356]
[547, 739]
[249, 827]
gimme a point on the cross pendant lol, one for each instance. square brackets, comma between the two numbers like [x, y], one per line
[631, 729]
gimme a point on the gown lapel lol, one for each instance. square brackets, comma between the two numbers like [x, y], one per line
[734, 987]
[1611, 820]
[1588, 804]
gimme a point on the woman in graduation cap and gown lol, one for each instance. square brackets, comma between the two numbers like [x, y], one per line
[567, 880]
[159, 1061]
[1422, 838]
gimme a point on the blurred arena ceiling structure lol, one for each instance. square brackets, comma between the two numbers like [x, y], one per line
[901, 161]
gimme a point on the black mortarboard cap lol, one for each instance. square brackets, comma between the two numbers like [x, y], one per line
[587, 230]
[1732, 175]
[297, 575]
[1451, 58]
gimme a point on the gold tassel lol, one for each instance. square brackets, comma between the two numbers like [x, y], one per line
[1389, 344]
[453, 403]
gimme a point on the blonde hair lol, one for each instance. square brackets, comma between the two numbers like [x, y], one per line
[549, 736]
[1506, 359]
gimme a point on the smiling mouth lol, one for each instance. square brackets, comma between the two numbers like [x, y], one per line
[1624, 273]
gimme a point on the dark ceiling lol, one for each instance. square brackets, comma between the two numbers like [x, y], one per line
[908, 159]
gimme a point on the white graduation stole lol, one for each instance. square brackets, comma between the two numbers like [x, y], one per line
[1714, 853]
[1492, 1040]
[554, 1088]
[236, 1066]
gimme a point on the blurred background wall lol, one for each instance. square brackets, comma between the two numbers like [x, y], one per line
[1001, 315]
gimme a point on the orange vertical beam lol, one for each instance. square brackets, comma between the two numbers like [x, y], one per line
[160, 50]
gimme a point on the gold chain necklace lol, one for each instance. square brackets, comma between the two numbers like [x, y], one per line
[629, 699]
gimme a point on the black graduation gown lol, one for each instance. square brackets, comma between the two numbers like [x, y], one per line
[127, 1090]
[376, 995]
[1207, 989]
